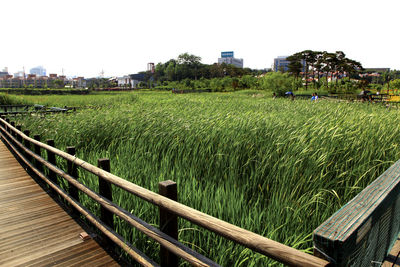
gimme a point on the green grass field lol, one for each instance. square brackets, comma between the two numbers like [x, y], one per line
[276, 167]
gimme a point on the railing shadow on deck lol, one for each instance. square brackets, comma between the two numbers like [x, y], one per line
[46, 169]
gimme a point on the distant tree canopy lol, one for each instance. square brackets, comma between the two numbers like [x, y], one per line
[319, 63]
[188, 66]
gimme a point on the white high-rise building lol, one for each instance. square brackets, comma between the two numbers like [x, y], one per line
[19, 74]
[228, 58]
[39, 71]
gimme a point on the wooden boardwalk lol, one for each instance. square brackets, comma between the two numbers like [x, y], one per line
[393, 259]
[34, 229]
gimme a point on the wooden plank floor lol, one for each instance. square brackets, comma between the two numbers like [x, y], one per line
[34, 229]
[393, 259]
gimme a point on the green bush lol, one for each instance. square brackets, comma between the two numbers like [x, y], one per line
[277, 82]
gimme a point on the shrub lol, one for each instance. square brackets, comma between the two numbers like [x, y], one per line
[277, 82]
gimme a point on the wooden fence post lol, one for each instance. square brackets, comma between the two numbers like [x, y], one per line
[51, 158]
[73, 171]
[38, 152]
[19, 138]
[11, 131]
[27, 144]
[8, 121]
[168, 223]
[105, 190]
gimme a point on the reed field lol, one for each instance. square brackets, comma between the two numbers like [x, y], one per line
[276, 167]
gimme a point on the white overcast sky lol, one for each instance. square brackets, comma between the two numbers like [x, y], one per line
[122, 36]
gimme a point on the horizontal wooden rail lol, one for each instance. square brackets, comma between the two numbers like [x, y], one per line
[265, 246]
[171, 244]
[133, 252]
[363, 230]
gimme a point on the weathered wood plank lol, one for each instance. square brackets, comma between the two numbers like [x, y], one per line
[34, 229]
[393, 259]
[273, 249]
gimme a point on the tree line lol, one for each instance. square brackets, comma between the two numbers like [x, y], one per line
[315, 64]
[188, 66]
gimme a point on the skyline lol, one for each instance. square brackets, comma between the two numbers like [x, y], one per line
[86, 37]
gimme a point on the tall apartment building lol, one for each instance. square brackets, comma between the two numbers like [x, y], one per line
[4, 72]
[39, 71]
[228, 58]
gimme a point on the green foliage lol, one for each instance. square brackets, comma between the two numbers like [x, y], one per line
[224, 84]
[375, 86]
[275, 167]
[277, 82]
[317, 63]
[248, 81]
[395, 84]
[6, 99]
[347, 86]
[59, 83]
[188, 66]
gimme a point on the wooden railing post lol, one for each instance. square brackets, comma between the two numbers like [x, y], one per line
[51, 158]
[38, 152]
[105, 190]
[168, 223]
[8, 121]
[19, 138]
[73, 171]
[11, 131]
[27, 144]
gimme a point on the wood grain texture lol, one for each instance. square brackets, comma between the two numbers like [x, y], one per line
[270, 248]
[34, 229]
[393, 259]
[132, 251]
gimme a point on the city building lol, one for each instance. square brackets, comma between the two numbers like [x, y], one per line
[282, 65]
[10, 82]
[228, 58]
[78, 82]
[19, 74]
[4, 72]
[124, 81]
[137, 78]
[376, 70]
[39, 71]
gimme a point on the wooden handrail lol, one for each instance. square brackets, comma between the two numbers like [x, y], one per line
[265, 246]
[173, 245]
[133, 252]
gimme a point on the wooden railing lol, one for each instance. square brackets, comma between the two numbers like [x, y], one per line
[28, 109]
[21, 143]
[364, 230]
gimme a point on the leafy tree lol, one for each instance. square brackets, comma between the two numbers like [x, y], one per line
[191, 64]
[295, 65]
[59, 83]
[278, 82]
[395, 84]
[248, 81]
[170, 71]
